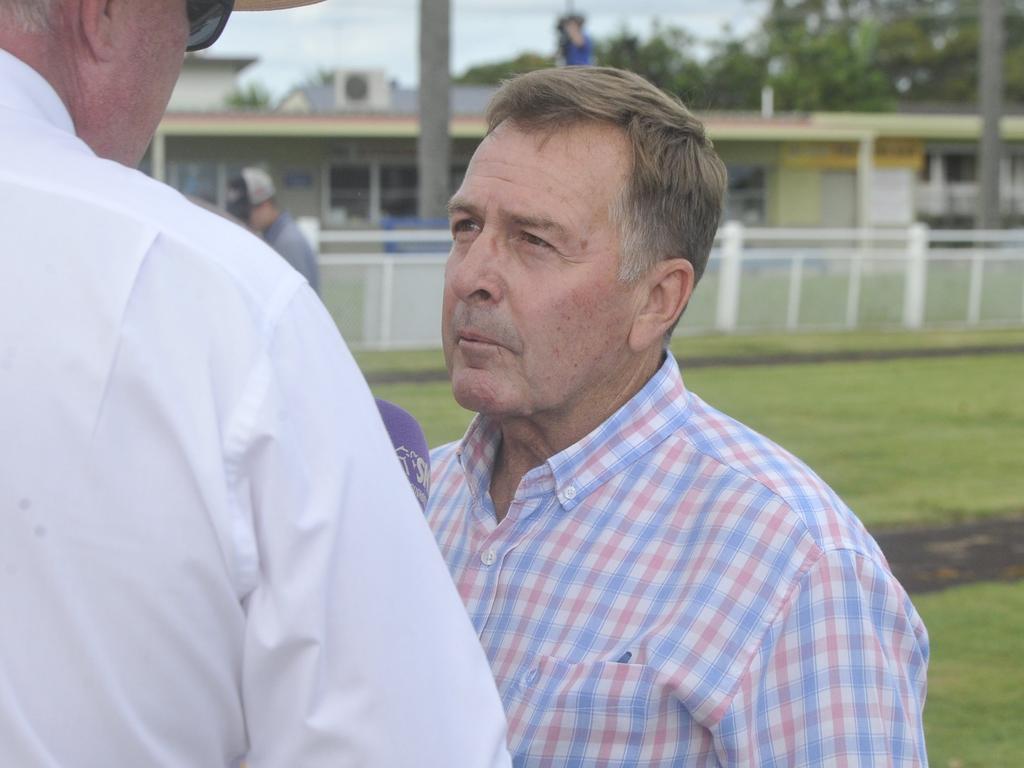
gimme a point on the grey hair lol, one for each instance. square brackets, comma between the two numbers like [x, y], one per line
[31, 16]
[672, 202]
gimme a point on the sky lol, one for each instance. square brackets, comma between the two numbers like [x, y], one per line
[363, 34]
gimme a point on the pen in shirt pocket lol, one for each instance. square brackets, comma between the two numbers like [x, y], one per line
[624, 658]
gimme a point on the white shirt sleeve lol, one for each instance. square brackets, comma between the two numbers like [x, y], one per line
[358, 650]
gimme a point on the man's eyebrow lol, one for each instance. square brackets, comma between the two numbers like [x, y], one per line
[461, 205]
[543, 223]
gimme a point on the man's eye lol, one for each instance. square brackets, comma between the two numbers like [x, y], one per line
[463, 226]
[534, 240]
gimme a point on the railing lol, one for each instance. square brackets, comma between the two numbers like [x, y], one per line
[757, 280]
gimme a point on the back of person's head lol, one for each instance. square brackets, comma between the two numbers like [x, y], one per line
[672, 203]
[115, 72]
[250, 188]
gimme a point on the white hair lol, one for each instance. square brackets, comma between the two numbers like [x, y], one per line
[29, 15]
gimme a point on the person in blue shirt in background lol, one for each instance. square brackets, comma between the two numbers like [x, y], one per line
[575, 48]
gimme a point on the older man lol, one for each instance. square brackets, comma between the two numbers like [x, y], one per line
[653, 582]
[208, 550]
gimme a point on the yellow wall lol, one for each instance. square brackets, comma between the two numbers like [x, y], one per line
[795, 198]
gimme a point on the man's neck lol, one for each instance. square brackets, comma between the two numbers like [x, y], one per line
[528, 442]
[518, 452]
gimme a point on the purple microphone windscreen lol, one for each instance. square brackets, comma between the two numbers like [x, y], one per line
[410, 445]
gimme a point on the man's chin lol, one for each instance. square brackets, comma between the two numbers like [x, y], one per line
[476, 390]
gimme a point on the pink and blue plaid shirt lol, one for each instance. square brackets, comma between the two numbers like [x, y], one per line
[675, 589]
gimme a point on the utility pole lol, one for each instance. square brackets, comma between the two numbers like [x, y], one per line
[433, 148]
[990, 102]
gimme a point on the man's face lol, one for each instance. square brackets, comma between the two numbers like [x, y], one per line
[535, 320]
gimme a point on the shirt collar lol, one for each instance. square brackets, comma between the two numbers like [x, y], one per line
[644, 421]
[22, 89]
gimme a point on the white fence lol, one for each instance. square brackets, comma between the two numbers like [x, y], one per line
[384, 287]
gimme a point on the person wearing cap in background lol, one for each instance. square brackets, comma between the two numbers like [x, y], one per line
[208, 552]
[251, 198]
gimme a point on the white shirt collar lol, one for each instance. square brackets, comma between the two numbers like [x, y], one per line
[22, 89]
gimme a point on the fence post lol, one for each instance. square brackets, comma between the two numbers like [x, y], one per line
[387, 295]
[974, 289]
[727, 309]
[853, 286]
[796, 280]
[913, 289]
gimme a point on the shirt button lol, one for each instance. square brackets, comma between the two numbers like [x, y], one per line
[488, 557]
[568, 493]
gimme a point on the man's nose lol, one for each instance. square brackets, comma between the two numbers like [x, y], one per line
[474, 273]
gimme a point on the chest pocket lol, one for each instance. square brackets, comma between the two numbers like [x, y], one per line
[591, 713]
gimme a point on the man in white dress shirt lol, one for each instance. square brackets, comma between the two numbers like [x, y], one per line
[208, 550]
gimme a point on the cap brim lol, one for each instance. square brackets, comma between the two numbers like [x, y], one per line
[270, 5]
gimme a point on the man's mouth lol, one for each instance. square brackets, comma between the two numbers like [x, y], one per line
[474, 338]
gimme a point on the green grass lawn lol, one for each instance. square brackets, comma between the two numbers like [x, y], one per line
[904, 442]
[974, 715]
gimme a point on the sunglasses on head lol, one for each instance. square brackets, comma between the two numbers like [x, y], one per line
[206, 20]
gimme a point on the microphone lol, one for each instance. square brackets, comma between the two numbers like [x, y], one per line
[410, 445]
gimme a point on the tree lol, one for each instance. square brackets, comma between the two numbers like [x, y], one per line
[823, 56]
[321, 76]
[850, 55]
[734, 75]
[494, 72]
[914, 51]
[665, 58]
[252, 97]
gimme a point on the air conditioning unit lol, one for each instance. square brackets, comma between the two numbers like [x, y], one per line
[360, 90]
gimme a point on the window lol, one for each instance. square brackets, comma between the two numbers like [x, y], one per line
[399, 190]
[960, 168]
[203, 181]
[350, 191]
[745, 199]
[377, 189]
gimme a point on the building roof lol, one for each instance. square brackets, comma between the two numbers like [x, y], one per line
[201, 61]
[320, 99]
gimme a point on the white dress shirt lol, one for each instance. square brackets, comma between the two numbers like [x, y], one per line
[208, 551]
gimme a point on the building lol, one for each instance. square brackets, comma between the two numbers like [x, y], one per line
[344, 152]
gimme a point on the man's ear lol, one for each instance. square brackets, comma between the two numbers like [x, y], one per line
[97, 26]
[664, 292]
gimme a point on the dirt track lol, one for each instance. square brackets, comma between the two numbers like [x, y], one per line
[928, 559]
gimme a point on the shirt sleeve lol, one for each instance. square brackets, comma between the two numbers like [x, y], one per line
[839, 679]
[358, 650]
